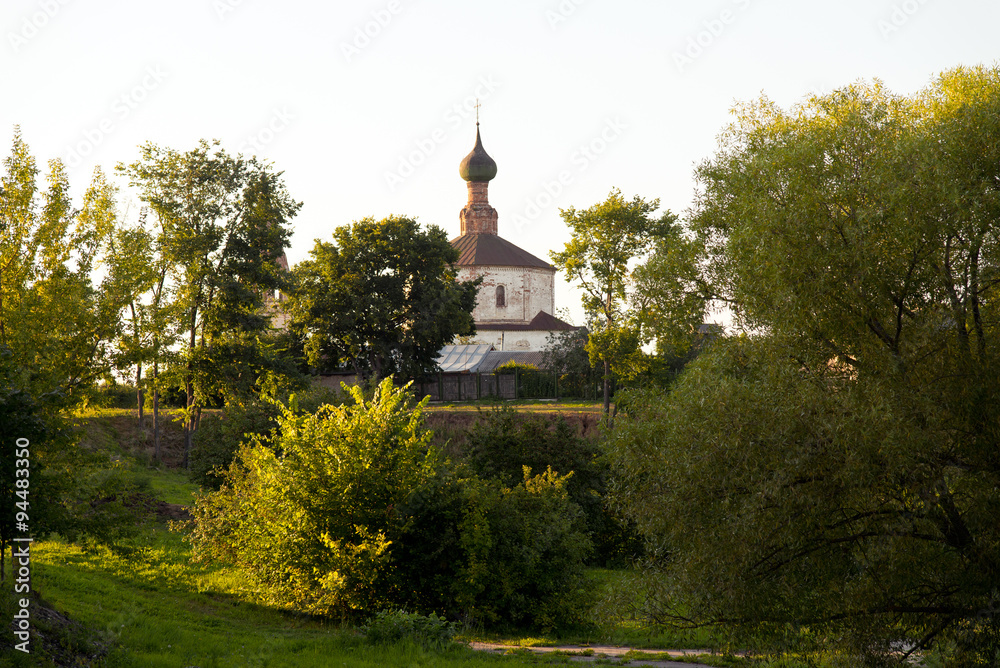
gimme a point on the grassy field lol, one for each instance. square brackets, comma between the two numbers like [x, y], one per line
[156, 608]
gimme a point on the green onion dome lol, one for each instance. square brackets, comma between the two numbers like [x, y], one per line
[478, 165]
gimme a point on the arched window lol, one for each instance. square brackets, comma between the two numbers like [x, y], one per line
[501, 297]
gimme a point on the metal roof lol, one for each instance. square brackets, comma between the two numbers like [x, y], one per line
[455, 359]
[535, 358]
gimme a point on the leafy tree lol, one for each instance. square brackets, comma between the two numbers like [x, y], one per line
[840, 472]
[147, 338]
[56, 318]
[382, 299]
[57, 328]
[671, 295]
[608, 238]
[566, 354]
[223, 226]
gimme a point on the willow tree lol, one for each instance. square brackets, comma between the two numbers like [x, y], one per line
[838, 471]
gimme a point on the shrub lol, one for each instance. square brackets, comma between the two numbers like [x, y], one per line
[352, 510]
[524, 549]
[504, 442]
[309, 520]
[513, 365]
[391, 626]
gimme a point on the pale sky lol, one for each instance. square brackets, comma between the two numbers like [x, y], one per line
[367, 106]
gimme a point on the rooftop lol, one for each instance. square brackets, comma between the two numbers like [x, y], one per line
[493, 250]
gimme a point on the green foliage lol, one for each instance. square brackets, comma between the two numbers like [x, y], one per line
[223, 226]
[309, 520]
[219, 438]
[393, 626]
[500, 446]
[524, 549]
[68, 490]
[58, 320]
[382, 299]
[351, 510]
[608, 238]
[839, 471]
[514, 365]
[566, 354]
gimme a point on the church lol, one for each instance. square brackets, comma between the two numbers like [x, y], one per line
[516, 302]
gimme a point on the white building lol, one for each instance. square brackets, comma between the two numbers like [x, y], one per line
[516, 302]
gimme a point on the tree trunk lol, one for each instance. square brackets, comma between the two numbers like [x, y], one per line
[189, 389]
[156, 414]
[607, 388]
[138, 392]
[189, 423]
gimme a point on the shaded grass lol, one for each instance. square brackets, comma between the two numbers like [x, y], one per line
[604, 630]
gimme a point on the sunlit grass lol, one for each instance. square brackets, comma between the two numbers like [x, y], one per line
[172, 486]
[159, 609]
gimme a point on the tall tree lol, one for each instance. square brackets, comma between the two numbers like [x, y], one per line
[608, 240]
[147, 339]
[56, 319]
[223, 225]
[382, 299]
[58, 322]
[839, 471]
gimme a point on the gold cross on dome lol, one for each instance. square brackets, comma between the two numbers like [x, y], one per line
[477, 110]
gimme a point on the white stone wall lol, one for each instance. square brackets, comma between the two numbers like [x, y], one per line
[527, 291]
[511, 340]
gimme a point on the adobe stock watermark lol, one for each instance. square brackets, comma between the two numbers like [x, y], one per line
[562, 12]
[34, 23]
[711, 31]
[580, 161]
[280, 120]
[123, 106]
[21, 548]
[365, 34]
[899, 16]
[425, 146]
[224, 7]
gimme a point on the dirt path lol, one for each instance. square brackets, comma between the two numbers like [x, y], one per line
[591, 653]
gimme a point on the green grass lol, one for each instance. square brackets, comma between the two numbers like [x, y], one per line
[172, 486]
[159, 609]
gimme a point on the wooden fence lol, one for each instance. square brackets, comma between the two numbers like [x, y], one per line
[511, 385]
